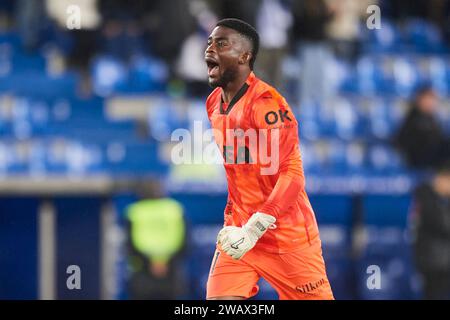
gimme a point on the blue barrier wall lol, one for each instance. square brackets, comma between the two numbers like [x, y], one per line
[18, 248]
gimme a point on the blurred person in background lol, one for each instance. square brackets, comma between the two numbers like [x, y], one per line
[84, 39]
[167, 24]
[81, 43]
[157, 27]
[6, 11]
[273, 21]
[121, 37]
[421, 138]
[31, 19]
[343, 28]
[190, 65]
[309, 35]
[156, 239]
[431, 230]
[244, 10]
[123, 33]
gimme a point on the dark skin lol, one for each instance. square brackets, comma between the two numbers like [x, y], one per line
[227, 56]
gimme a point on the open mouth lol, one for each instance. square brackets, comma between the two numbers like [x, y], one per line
[213, 67]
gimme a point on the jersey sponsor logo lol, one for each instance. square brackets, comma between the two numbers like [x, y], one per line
[272, 117]
[309, 287]
[242, 155]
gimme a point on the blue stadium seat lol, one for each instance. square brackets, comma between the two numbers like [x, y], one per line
[108, 75]
[384, 159]
[18, 158]
[147, 75]
[337, 158]
[386, 39]
[77, 109]
[384, 117]
[406, 75]
[93, 130]
[39, 84]
[424, 37]
[350, 122]
[313, 156]
[133, 159]
[69, 157]
[371, 77]
[23, 62]
[438, 74]
[343, 75]
[144, 74]
[333, 157]
[11, 39]
[164, 118]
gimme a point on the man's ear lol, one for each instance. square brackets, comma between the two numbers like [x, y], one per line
[245, 57]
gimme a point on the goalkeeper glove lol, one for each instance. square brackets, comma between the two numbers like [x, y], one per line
[237, 241]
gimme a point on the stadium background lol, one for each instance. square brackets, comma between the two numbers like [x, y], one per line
[86, 115]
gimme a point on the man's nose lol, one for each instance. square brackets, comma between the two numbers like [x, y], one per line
[210, 48]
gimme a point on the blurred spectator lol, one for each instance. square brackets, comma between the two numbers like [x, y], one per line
[30, 19]
[421, 139]
[58, 10]
[123, 30]
[166, 25]
[244, 10]
[432, 234]
[344, 27]
[6, 8]
[191, 65]
[314, 54]
[192, 70]
[84, 39]
[156, 238]
[273, 22]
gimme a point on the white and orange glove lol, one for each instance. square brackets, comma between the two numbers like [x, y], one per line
[237, 241]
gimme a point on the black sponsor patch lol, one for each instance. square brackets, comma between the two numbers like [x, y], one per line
[273, 117]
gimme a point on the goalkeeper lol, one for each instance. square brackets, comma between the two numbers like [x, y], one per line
[270, 230]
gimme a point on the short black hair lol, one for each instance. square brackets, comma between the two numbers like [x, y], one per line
[247, 31]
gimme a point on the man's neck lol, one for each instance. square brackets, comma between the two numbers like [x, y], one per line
[230, 90]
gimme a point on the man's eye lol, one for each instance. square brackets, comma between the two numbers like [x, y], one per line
[220, 43]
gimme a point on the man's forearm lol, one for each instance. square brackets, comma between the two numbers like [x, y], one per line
[284, 194]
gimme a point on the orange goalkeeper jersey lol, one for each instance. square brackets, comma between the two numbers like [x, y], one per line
[258, 136]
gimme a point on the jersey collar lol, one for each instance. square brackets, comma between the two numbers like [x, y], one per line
[250, 79]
